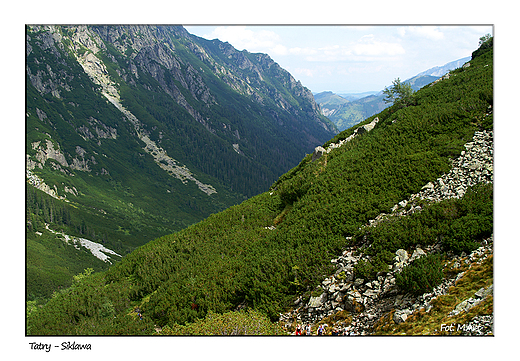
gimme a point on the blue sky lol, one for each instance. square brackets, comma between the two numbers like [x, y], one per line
[351, 58]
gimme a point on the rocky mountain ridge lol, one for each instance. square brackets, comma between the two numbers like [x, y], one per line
[156, 127]
[439, 71]
[151, 49]
[98, 88]
[99, 75]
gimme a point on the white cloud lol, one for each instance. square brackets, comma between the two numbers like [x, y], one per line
[302, 51]
[302, 71]
[361, 69]
[428, 32]
[368, 48]
[327, 54]
[242, 38]
[279, 49]
[368, 45]
[261, 40]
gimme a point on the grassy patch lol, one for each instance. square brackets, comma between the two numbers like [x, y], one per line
[429, 323]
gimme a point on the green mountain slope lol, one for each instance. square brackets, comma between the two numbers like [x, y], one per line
[135, 132]
[329, 102]
[277, 246]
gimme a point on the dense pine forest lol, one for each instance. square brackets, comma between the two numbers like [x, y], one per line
[250, 261]
[136, 131]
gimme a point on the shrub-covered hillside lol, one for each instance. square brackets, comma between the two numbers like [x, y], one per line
[265, 252]
[137, 131]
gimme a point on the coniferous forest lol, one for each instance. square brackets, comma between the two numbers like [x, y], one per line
[194, 138]
[260, 255]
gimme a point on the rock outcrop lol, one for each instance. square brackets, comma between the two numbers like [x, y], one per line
[471, 302]
[50, 150]
[40, 184]
[473, 166]
[366, 302]
[319, 151]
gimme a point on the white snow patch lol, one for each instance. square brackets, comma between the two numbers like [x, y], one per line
[98, 250]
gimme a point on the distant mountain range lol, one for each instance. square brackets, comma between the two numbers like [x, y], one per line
[346, 110]
[439, 71]
[355, 96]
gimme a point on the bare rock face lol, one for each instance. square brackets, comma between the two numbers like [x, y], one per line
[45, 152]
[318, 152]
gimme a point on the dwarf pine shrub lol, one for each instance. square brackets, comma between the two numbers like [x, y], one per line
[422, 275]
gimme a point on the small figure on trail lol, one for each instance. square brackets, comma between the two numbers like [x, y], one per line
[138, 311]
[298, 330]
[320, 330]
[308, 330]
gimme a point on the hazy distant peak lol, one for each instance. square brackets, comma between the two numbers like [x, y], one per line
[441, 70]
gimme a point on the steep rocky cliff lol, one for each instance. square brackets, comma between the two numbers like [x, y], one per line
[113, 101]
[140, 131]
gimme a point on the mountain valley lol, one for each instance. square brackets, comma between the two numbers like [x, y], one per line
[347, 110]
[236, 206]
[134, 132]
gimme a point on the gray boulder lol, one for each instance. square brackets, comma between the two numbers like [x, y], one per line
[316, 302]
[401, 255]
[418, 253]
[318, 152]
[400, 316]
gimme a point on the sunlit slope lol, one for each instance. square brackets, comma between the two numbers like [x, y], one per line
[270, 249]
